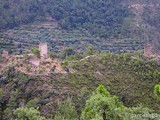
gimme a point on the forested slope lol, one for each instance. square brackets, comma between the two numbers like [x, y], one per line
[96, 16]
[102, 18]
[130, 77]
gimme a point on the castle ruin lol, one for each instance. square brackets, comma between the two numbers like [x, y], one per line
[43, 50]
[34, 60]
[5, 54]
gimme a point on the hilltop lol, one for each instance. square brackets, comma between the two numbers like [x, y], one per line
[35, 62]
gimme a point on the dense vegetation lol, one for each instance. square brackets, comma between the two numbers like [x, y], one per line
[99, 17]
[24, 38]
[102, 18]
[131, 78]
[110, 26]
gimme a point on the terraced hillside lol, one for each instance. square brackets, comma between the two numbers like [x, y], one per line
[33, 34]
[112, 26]
[28, 36]
[6, 45]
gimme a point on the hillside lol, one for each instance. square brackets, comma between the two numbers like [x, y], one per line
[27, 36]
[79, 59]
[70, 14]
[124, 26]
[130, 77]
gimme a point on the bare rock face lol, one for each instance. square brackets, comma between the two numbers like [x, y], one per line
[148, 50]
[98, 74]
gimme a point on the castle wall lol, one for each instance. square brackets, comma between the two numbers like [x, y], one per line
[34, 60]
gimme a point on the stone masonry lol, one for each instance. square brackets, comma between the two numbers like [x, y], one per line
[5, 54]
[43, 50]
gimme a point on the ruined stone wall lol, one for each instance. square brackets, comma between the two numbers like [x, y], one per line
[34, 60]
[5, 54]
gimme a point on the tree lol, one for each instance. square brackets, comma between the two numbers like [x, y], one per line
[66, 111]
[27, 114]
[67, 52]
[157, 90]
[36, 52]
[2, 102]
[104, 105]
[90, 51]
[1, 92]
[11, 104]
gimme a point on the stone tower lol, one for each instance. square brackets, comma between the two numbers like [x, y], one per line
[43, 50]
[148, 50]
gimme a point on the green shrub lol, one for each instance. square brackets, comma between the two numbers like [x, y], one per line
[66, 111]
[8, 115]
[28, 67]
[41, 70]
[74, 64]
[103, 106]
[1, 92]
[36, 52]
[157, 90]
[65, 63]
[32, 103]
[27, 114]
